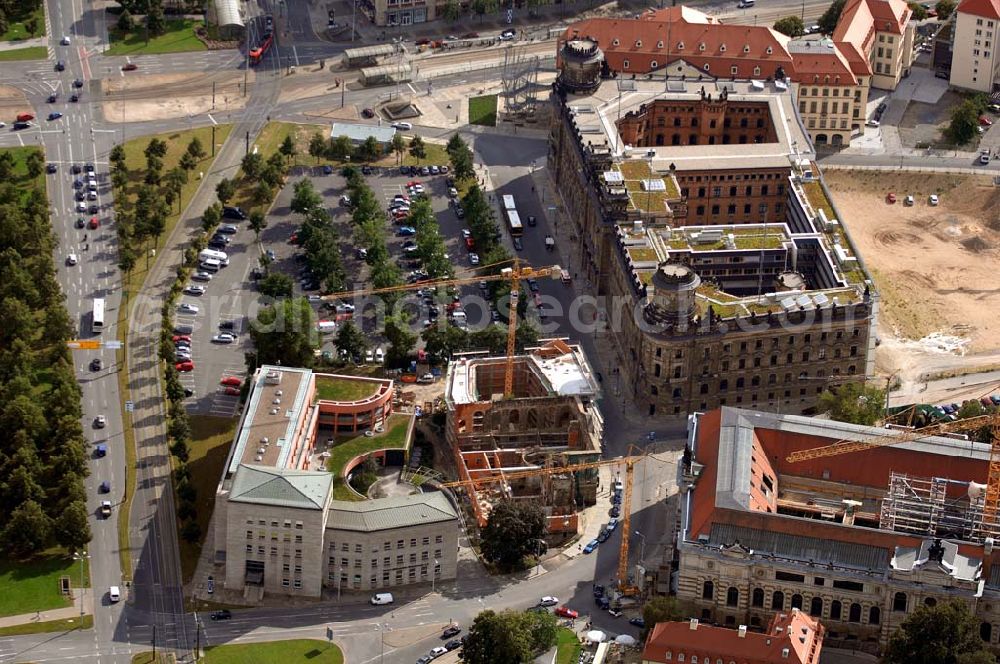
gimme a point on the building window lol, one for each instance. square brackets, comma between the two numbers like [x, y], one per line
[899, 602]
[874, 615]
[758, 598]
[797, 601]
[778, 601]
[835, 610]
[854, 614]
[985, 632]
[732, 597]
[816, 606]
[284, 583]
[930, 601]
[438, 539]
[625, 64]
[708, 590]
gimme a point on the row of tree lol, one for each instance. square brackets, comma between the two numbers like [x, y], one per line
[13, 11]
[342, 148]
[43, 453]
[794, 27]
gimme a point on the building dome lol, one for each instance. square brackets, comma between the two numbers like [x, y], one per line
[581, 60]
[674, 289]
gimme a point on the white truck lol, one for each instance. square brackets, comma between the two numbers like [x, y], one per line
[220, 256]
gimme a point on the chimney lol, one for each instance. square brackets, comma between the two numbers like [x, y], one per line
[694, 624]
[743, 631]
[784, 653]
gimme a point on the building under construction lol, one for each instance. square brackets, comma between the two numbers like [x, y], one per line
[859, 539]
[550, 419]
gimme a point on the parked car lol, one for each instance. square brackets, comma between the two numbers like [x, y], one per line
[234, 381]
[224, 338]
[184, 366]
[591, 546]
[638, 622]
[451, 631]
[186, 308]
[566, 612]
[231, 212]
[548, 600]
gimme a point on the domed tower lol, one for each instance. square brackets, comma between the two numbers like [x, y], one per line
[581, 66]
[674, 289]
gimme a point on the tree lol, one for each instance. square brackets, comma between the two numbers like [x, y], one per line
[27, 530]
[828, 21]
[252, 165]
[944, 9]
[276, 285]
[351, 340]
[512, 532]
[195, 149]
[156, 24]
[191, 531]
[72, 530]
[417, 148]
[187, 162]
[452, 11]
[258, 222]
[176, 178]
[125, 22]
[369, 150]
[35, 164]
[156, 147]
[401, 340]
[943, 634]
[285, 333]
[339, 148]
[455, 143]
[398, 145]
[853, 402]
[919, 13]
[211, 216]
[225, 190]
[117, 156]
[482, 7]
[31, 26]
[6, 165]
[659, 608]
[287, 147]
[790, 25]
[305, 197]
[964, 120]
[317, 146]
[511, 637]
[263, 192]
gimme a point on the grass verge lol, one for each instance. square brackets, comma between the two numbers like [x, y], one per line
[209, 445]
[177, 143]
[149, 658]
[178, 38]
[33, 585]
[568, 646]
[483, 110]
[15, 25]
[288, 652]
[65, 625]
[29, 53]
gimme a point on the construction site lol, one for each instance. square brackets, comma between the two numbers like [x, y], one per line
[510, 443]
[858, 526]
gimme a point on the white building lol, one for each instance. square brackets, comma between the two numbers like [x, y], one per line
[975, 61]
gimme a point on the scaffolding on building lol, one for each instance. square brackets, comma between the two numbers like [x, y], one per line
[519, 78]
[938, 507]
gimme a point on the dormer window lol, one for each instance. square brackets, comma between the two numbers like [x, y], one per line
[638, 43]
[756, 71]
[707, 67]
[746, 48]
[659, 44]
[722, 48]
[701, 46]
[653, 64]
[680, 46]
[770, 50]
[616, 43]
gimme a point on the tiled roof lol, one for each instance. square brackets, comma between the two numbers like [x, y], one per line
[984, 8]
[283, 488]
[812, 58]
[798, 547]
[792, 637]
[389, 513]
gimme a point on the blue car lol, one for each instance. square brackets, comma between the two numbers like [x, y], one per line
[328, 170]
[591, 546]
[406, 231]
[55, 115]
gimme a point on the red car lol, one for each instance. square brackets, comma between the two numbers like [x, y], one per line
[184, 366]
[233, 391]
[470, 244]
[985, 121]
[890, 198]
[566, 612]
[94, 223]
[231, 380]
[294, 239]
[129, 66]
[181, 337]
[413, 183]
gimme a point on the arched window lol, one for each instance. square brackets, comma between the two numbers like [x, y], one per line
[778, 601]
[986, 632]
[835, 610]
[899, 602]
[874, 615]
[796, 601]
[855, 613]
[930, 601]
[708, 590]
[816, 606]
[758, 597]
[732, 596]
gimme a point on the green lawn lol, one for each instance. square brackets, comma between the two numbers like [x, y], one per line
[21, 179]
[33, 585]
[15, 27]
[148, 658]
[568, 646]
[287, 652]
[210, 440]
[483, 110]
[29, 53]
[436, 154]
[394, 437]
[342, 389]
[64, 625]
[179, 37]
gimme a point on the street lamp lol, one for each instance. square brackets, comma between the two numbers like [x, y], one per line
[81, 556]
[340, 576]
[642, 554]
[381, 629]
[434, 574]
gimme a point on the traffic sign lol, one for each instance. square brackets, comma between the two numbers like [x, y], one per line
[113, 345]
[129, 406]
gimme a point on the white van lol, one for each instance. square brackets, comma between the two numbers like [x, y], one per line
[743, 4]
[220, 256]
[326, 326]
[210, 265]
[382, 598]
[564, 276]
[114, 593]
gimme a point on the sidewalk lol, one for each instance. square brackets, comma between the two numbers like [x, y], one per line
[23, 43]
[66, 613]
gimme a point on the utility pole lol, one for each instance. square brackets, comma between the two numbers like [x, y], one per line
[246, 69]
[213, 95]
[154, 642]
[247, 150]
[213, 147]
[197, 638]
[354, 20]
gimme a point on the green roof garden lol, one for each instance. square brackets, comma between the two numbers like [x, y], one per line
[641, 254]
[394, 437]
[333, 388]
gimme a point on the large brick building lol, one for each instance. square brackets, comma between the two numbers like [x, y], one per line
[872, 46]
[726, 276]
[857, 541]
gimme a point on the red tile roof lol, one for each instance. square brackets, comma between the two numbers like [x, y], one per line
[795, 633]
[984, 8]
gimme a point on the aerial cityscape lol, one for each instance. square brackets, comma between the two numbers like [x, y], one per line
[368, 331]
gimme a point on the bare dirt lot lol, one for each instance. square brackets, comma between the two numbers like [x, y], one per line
[935, 267]
[12, 102]
[181, 94]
